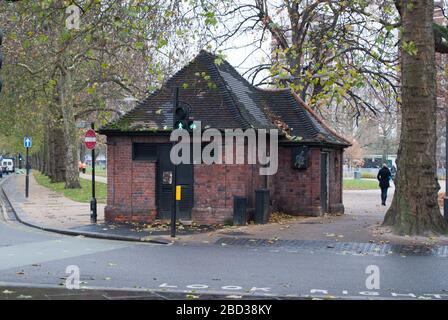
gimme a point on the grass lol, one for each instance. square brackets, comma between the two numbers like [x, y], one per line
[360, 184]
[80, 195]
[368, 175]
[101, 172]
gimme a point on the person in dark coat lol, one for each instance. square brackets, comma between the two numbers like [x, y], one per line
[383, 177]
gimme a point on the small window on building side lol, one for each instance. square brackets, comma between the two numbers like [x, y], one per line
[144, 151]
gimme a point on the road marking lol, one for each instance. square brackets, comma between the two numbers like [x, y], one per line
[313, 293]
[45, 251]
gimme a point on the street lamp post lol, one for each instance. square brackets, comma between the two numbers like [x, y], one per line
[174, 176]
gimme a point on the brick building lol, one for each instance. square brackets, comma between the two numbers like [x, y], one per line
[139, 169]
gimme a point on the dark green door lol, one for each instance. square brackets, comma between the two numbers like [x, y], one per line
[166, 182]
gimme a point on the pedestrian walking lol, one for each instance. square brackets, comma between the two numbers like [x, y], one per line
[383, 177]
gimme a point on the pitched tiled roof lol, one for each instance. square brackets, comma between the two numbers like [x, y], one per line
[221, 98]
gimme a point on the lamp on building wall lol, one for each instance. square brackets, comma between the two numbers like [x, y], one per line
[300, 157]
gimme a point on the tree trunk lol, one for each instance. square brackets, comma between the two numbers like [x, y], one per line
[46, 168]
[414, 209]
[51, 155]
[385, 148]
[42, 152]
[69, 126]
[58, 155]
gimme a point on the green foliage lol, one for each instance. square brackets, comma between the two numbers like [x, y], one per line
[125, 52]
[333, 61]
[409, 48]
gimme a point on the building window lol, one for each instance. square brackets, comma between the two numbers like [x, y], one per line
[144, 151]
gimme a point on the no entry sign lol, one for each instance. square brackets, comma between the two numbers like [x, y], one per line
[90, 139]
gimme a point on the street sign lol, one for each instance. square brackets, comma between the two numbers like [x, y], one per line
[90, 139]
[27, 142]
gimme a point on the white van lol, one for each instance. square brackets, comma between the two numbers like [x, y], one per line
[8, 165]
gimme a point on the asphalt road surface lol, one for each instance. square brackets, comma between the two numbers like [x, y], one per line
[33, 259]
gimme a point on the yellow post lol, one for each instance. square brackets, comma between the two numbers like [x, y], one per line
[178, 193]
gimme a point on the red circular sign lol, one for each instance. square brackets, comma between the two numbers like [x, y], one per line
[90, 139]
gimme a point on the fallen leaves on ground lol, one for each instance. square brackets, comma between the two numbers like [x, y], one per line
[280, 217]
[273, 240]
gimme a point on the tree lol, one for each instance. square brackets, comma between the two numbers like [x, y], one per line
[79, 73]
[354, 155]
[414, 208]
[325, 50]
[332, 53]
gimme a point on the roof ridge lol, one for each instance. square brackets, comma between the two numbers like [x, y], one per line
[226, 86]
[244, 112]
[318, 119]
[272, 89]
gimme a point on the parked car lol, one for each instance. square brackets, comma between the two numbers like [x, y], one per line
[7, 165]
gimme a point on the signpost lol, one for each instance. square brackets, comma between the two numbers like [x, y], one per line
[27, 143]
[90, 143]
[181, 121]
[174, 202]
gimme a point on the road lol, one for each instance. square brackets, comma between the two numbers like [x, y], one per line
[31, 258]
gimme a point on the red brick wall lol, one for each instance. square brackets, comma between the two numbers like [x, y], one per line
[216, 185]
[132, 185]
[297, 191]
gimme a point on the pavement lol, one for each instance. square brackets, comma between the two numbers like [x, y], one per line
[361, 222]
[48, 210]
